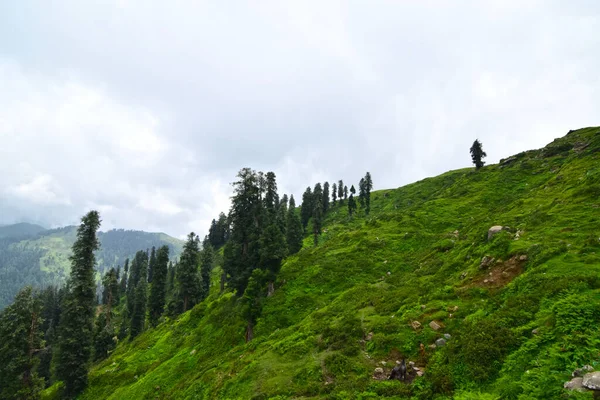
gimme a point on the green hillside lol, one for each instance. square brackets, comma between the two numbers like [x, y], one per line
[521, 308]
[29, 256]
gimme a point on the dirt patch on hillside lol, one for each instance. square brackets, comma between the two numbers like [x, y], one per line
[500, 273]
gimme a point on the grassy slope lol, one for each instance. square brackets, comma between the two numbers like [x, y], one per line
[310, 339]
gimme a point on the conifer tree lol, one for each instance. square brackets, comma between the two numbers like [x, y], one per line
[345, 193]
[273, 249]
[341, 191]
[77, 319]
[325, 200]
[334, 194]
[307, 206]
[104, 333]
[477, 154]
[351, 205]
[104, 330]
[21, 338]
[187, 273]
[123, 284]
[138, 317]
[158, 287]
[282, 214]
[317, 216]
[207, 260]
[294, 228]
[51, 298]
[252, 301]
[151, 264]
[362, 193]
[368, 188]
[241, 253]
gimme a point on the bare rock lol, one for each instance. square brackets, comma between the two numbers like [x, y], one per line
[523, 257]
[494, 230]
[384, 363]
[378, 373]
[582, 371]
[432, 346]
[591, 380]
[440, 342]
[415, 325]
[192, 352]
[447, 336]
[435, 325]
[535, 331]
[575, 384]
[420, 373]
[369, 336]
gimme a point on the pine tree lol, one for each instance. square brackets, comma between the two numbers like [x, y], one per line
[282, 214]
[334, 194]
[341, 191]
[477, 154]
[21, 338]
[51, 298]
[207, 260]
[158, 287]
[273, 249]
[317, 214]
[362, 193]
[138, 317]
[294, 228]
[345, 193]
[123, 284]
[241, 253]
[325, 200]
[77, 319]
[151, 264]
[252, 301]
[368, 188]
[351, 205]
[187, 273]
[104, 334]
[104, 330]
[306, 207]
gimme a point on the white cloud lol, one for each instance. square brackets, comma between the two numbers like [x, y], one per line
[147, 110]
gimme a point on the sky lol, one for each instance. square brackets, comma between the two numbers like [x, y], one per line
[146, 110]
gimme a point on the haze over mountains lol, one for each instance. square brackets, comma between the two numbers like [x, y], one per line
[33, 255]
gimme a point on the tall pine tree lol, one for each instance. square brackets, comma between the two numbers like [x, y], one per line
[294, 228]
[151, 264]
[368, 188]
[187, 273]
[77, 319]
[317, 215]
[362, 193]
[158, 287]
[138, 317]
[307, 206]
[334, 194]
[21, 338]
[477, 154]
[325, 200]
[341, 191]
[207, 260]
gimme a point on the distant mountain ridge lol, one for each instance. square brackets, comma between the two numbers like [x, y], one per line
[33, 255]
[20, 229]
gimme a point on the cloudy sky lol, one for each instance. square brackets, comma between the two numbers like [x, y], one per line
[146, 110]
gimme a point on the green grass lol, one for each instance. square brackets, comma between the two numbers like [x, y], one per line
[415, 258]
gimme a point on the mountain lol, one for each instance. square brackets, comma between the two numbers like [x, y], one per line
[21, 229]
[32, 255]
[484, 313]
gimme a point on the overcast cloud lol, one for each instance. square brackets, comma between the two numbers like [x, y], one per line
[146, 110]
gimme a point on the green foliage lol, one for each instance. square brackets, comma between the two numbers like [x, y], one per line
[77, 319]
[477, 154]
[158, 287]
[346, 305]
[21, 335]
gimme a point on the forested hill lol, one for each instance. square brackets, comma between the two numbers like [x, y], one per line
[487, 281]
[32, 255]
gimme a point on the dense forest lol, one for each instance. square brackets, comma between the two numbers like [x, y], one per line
[32, 255]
